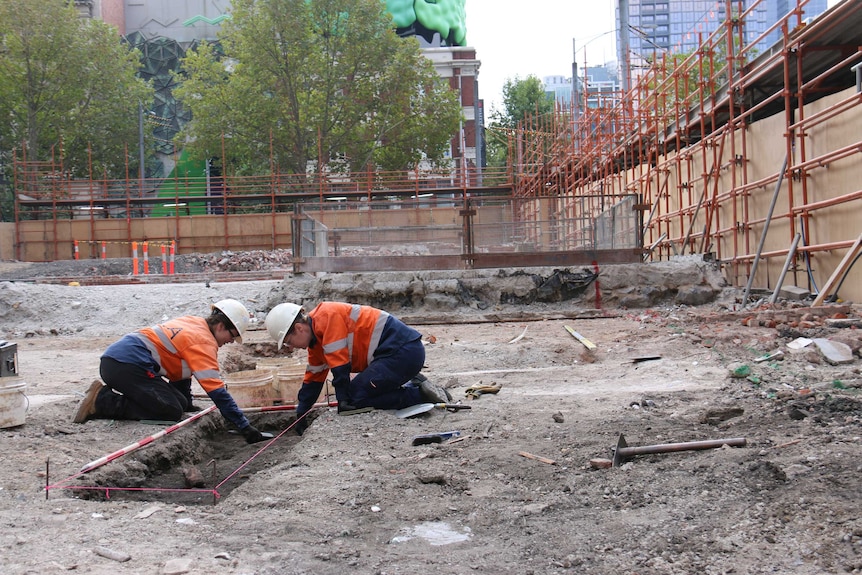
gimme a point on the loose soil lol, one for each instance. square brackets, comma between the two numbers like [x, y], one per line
[523, 489]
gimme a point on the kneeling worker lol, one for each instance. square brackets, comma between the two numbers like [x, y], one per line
[382, 353]
[152, 369]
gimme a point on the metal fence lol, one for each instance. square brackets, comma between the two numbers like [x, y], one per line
[463, 232]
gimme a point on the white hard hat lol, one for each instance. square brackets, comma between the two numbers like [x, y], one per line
[279, 319]
[236, 313]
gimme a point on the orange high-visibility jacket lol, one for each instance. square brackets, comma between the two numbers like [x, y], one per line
[346, 334]
[184, 347]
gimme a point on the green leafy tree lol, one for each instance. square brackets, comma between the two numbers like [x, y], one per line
[68, 89]
[320, 79]
[521, 99]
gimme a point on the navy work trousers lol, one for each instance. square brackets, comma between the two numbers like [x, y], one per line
[385, 383]
[145, 395]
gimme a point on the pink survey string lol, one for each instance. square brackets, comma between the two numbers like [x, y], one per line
[145, 441]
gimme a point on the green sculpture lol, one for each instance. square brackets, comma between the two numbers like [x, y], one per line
[425, 18]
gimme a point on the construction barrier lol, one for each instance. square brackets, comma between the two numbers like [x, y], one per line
[137, 263]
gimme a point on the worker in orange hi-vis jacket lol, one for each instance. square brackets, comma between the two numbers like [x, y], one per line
[152, 369]
[374, 357]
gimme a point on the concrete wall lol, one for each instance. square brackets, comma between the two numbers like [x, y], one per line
[48, 240]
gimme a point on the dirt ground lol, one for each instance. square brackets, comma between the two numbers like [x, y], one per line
[523, 489]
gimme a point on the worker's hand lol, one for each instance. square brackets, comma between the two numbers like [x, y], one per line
[252, 435]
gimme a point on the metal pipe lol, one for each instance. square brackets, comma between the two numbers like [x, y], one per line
[268, 408]
[765, 230]
[829, 112]
[622, 451]
[141, 159]
[825, 247]
[789, 260]
[858, 69]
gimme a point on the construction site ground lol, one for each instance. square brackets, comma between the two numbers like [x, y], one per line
[523, 490]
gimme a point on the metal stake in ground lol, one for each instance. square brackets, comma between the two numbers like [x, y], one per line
[622, 451]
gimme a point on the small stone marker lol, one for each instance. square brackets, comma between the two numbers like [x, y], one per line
[835, 352]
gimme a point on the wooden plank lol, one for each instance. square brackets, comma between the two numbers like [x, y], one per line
[537, 458]
[587, 343]
[558, 258]
[839, 272]
[336, 264]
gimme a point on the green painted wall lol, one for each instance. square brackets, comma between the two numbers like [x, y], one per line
[187, 179]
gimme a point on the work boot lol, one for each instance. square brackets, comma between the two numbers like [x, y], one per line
[87, 407]
[418, 379]
[433, 393]
[347, 409]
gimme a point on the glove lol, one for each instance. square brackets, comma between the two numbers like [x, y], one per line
[475, 391]
[252, 435]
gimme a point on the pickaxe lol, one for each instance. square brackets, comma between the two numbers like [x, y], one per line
[622, 451]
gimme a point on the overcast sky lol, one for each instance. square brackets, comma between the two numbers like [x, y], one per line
[536, 38]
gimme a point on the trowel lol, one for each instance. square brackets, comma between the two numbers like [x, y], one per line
[425, 407]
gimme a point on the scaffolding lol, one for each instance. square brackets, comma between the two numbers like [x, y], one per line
[730, 152]
[725, 153]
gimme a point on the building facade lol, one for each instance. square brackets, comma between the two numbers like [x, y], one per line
[599, 87]
[649, 28]
[164, 29]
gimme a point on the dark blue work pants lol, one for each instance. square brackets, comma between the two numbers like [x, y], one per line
[145, 395]
[385, 383]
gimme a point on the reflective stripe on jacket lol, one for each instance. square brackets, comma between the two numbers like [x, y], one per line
[184, 347]
[350, 336]
[179, 349]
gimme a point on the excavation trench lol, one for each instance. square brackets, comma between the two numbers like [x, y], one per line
[199, 464]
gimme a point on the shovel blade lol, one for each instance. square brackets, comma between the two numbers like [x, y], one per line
[414, 410]
[425, 407]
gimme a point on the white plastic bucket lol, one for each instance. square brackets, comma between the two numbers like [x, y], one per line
[272, 362]
[13, 402]
[251, 388]
[288, 381]
[288, 373]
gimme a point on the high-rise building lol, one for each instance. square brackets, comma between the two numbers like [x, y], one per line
[598, 87]
[653, 27]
